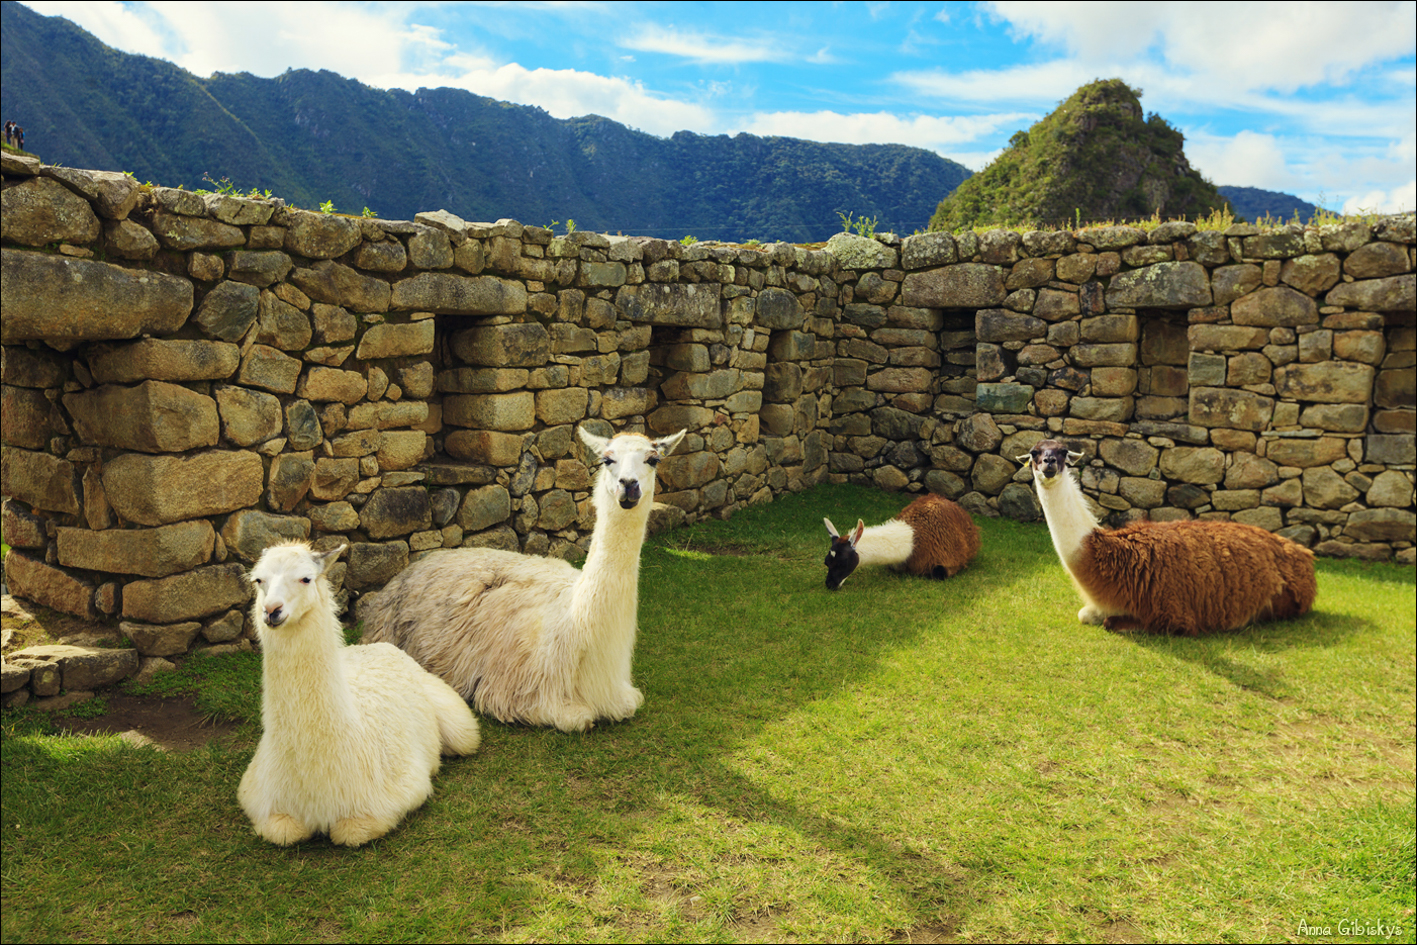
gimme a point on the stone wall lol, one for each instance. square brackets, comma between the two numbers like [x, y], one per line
[189, 377]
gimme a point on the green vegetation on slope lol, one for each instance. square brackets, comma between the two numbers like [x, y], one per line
[1093, 158]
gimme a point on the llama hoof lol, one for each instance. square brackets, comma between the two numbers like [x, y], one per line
[1091, 614]
[357, 831]
[1122, 622]
[283, 830]
[580, 719]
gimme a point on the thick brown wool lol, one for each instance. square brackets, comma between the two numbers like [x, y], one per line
[945, 536]
[1196, 577]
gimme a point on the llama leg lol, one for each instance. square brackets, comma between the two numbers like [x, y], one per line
[357, 831]
[1121, 622]
[457, 727]
[627, 703]
[283, 830]
[573, 717]
[1091, 613]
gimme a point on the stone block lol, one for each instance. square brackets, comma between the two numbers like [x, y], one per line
[506, 412]
[64, 300]
[151, 552]
[157, 490]
[188, 596]
[393, 512]
[962, 285]
[695, 305]
[1334, 382]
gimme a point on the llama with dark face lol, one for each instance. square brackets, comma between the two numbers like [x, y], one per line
[1188, 577]
[932, 537]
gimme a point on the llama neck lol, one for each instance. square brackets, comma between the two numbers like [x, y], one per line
[607, 593]
[1069, 520]
[887, 543]
[305, 694]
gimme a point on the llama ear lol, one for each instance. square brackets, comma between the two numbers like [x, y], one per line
[326, 558]
[857, 531]
[597, 444]
[1025, 459]
[831, 529]
[666, 444]
[1074, 456]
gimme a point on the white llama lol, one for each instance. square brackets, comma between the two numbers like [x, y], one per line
[352, 734]
[529, 639]
[1188, 577]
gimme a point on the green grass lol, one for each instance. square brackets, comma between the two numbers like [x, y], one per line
[900, 760]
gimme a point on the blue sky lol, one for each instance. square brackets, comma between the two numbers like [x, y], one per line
[1316, 99]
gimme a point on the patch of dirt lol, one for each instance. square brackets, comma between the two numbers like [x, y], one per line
[174, 723]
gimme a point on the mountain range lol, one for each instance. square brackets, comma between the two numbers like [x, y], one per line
[312, 137]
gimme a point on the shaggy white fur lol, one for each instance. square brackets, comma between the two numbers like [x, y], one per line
[352, 734]
[530, 639]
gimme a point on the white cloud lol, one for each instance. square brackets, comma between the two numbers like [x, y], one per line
[1398, 200]
[1281, 46]
[564, 93]
[705, 48]
[117, 24]
[1038, 83]
[939, 133]
[1248, 159]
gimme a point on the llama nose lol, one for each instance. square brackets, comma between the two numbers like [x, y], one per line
[629, 493]
[275, 616]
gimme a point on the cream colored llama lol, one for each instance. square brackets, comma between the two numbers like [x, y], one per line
[352, 734]
[529, 639]
[1188, 577]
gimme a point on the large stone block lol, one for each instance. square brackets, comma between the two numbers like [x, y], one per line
[999, 325]
[561, 406]
[1194, 465]
[928, 249]
[712, 386]
[1393, 294]
[1163, 285]
[446, 293]
[39, 480]
[249, 532]
[1227, 337]
[291, 475]
[160, 359]
[1332, 382]
[1305, 453]
[39, 211]
[393, 512]
[1134, 457]
[85, 668]
[336, 284]
[248, 416]
[320, 235]
[396, 341]
[1382, 525]
[188, 596]
[228, 310]
[524, 344]
[1230, 408]
[620, 402]
[184, 233]
[62, 300]
[155, 417]
[485, 507]
[257, 268]
[373, 564]
[860, 252]
[33, 580]
[963, 285]
[28, 418]
[688, 305]
[1279, 306]
[1003, 398]
[514, 411]
[485, 446]
[151, 552]
[264, 366]
[156, 490]
[332, 384]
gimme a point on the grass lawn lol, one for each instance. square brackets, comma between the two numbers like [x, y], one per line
[902, 760]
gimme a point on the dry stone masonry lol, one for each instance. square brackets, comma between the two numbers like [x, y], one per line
[188, 378]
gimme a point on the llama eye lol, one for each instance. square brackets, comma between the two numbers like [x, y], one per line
[653, 460]
[607, 461]
[257, 581]
[304, 580]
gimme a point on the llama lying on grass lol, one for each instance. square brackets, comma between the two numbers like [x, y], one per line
[931, 536]
[1188, 577]
[352, 734]
[531, 639]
